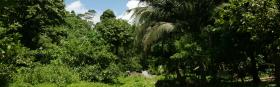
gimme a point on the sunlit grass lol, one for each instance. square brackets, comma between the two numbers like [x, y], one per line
[130, 81]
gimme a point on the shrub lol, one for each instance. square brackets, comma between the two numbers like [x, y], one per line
[20, 84]
[46, 85]
[5, 74]
[52, 73]
[96, 73]
[131, 64]
[87, 84]
[138, 81]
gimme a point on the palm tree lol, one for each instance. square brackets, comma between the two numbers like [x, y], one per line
[164, 19]
[161, 17]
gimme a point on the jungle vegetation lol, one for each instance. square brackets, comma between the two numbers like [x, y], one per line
[181, 43]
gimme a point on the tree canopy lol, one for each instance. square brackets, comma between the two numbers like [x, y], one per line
[108, 14]
[172, 43]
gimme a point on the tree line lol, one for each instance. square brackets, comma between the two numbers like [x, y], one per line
[212, 40]
[190, 42]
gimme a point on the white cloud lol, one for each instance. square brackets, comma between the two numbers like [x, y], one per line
[76, 6]
[132, 4]
[127, 16]
[96, 18]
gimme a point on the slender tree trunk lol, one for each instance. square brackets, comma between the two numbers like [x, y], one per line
[254, 71]
[180, 76]
[144, 62]
[203, 73]
[214, 74]
[276, 62]
[117, 50]
[277, 73]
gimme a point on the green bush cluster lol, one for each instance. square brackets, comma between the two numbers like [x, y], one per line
[60, 75]
[96, 73]
[189, 41]
[46, 45]
[64, 54]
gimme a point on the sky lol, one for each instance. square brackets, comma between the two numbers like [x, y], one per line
[118, 6]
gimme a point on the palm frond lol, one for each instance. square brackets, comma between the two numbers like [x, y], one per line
[156, 32]
[160, 17]
[142, 14]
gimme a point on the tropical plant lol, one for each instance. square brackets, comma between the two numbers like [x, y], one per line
[246, 27]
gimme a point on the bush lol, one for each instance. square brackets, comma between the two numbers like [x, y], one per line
[87, 84]
[131, 64]
[57, 74]
[96, 73]
[5, 74]
[20, 84]
[30, 85]
[138, 81]
[156, 70]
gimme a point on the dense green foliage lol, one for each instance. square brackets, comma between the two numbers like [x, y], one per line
[60, 52]
[211, 41]
[108, 14]
[182, 43]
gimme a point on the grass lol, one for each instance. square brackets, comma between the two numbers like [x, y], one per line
[140, 81]
[130, 81]
[89, 84]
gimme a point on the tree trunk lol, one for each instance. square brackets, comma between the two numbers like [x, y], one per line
[117, 50]
[214, 74]
[254, 71]
[180, 78]
[203, 73]
[277, 69]
[143, 60]
[277, 74]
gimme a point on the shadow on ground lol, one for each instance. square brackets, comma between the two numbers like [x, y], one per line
[3, 83]
[174, 83]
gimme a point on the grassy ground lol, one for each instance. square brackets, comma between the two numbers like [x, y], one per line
[130, 81]
[140, 81]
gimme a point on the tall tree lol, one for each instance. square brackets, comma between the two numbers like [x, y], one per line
[116, 32]
[108, 14]
[89, 17]
[163, 19]
[31, 16]
[162, 16]
[248, 27]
